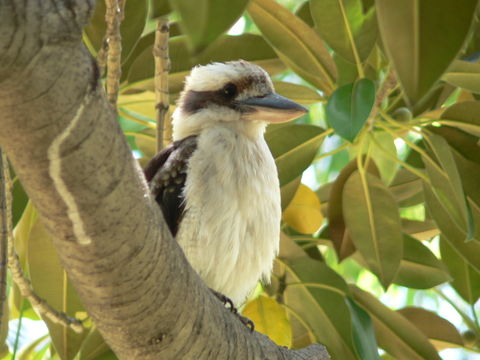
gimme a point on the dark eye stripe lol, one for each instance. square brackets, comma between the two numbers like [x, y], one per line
[193, 101]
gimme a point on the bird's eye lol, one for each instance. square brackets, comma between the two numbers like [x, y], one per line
[229, 90]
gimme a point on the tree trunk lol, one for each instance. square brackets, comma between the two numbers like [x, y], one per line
[69, 152]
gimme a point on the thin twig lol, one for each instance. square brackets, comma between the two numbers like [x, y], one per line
[102, 57]
[39, 304]
[113, 17]
[14, 265]
[162, 67]
[5, 220]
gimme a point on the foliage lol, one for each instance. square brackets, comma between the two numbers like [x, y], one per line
[394, 92]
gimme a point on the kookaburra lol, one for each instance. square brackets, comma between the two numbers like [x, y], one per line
[217, 183]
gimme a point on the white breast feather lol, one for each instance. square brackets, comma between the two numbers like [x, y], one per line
[230, 232]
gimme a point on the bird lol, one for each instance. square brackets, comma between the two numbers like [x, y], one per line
[217, 183]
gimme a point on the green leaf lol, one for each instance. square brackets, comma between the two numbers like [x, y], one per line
[466, 279]
[247, 46]
[49, 281]
[349, 107]
[373, 221]
[447, 184]
[20, 201]
[93, 346]
[441, 332]
[159, 8]
[21, 235]
[469, 251]
[465, 75]
[405, 187]
[31, 351]
[363, 332]
[270, 318]
[207, 19]
[131, 27]
[420, 230]
[303, 12]
[388, 167]
[288, 191]
[395, 334]
[296, 42]
[315, 294]
[298, 93]
[419, 269]
[466, 144]
[294, 147]
[464, 116]
[344, 26]
[342, 241]
[419, 41]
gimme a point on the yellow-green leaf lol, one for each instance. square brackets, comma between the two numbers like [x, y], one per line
[464, 116]
[304, 212]
[50, 282]
[270, 318]
[299, 93]
[131, 28]
[247, 46]
[293, 147]
[395, 334]
[419, 269]
[93, 346]
[464, 74]
[342, 242]
[207, 19]
[295, 41]
[288, 191]
[142, 104]
[441, 332]
[383, 151]
[419, 40]
[447, 185]
[373, 221]
[344, 26]
[466, 279]
[455, 235]
[315, 295]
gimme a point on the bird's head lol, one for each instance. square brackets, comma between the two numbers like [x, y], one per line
[237, 94]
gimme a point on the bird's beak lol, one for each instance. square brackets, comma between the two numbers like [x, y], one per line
[272, 108]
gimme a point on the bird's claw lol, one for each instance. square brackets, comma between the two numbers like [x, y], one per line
[225, 301]
[247, 322]
[230, 306]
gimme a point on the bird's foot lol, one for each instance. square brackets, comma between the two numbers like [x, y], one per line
[246, 321]
[225, 301]
[230, 306]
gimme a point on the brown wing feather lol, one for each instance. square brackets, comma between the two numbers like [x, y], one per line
[166, 174]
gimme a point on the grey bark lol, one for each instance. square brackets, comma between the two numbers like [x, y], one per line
[71, 157]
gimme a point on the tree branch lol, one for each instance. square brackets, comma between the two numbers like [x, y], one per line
[72, 159]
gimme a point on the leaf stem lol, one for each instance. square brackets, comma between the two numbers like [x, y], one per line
[19, 327]
[412, 145]
[358, 62]
[471, 325]
[333, 152]
[363, 179]
[400, 162]
[135, 119]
